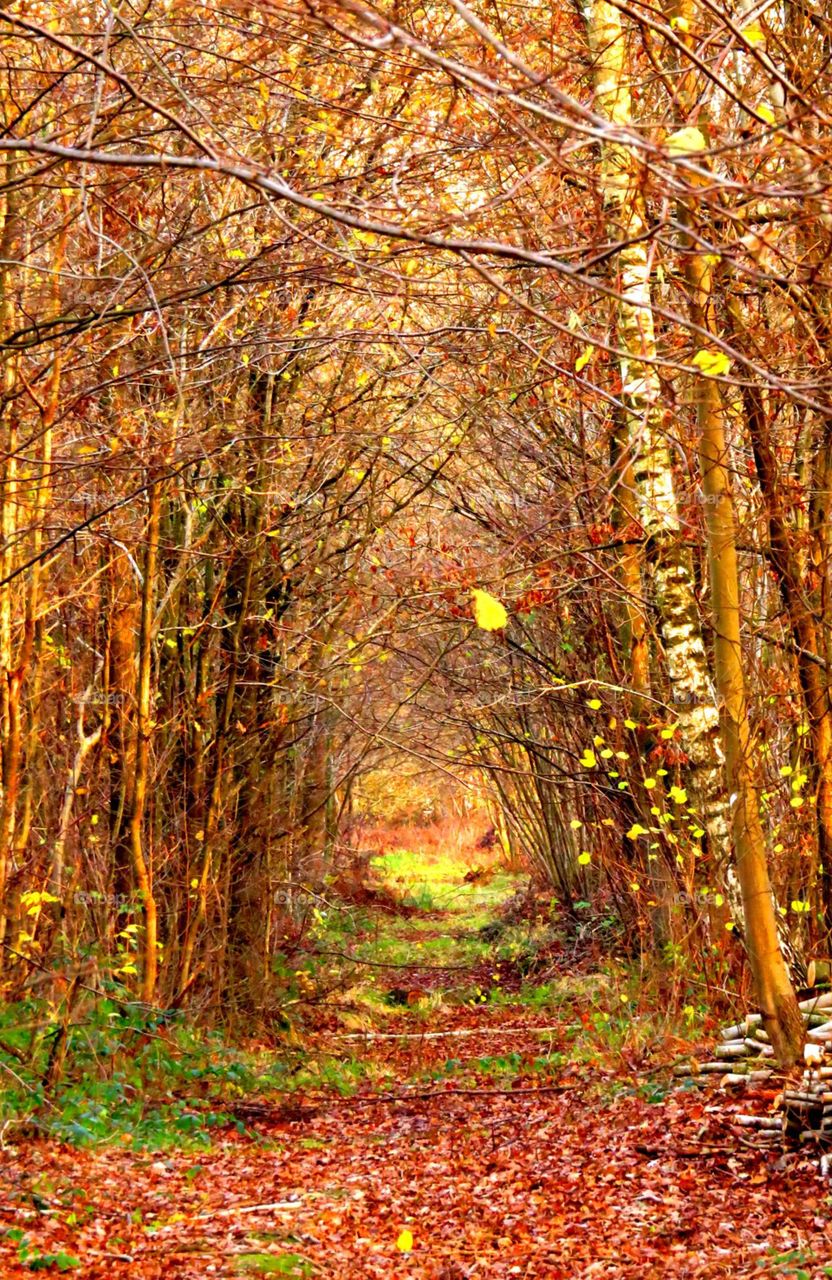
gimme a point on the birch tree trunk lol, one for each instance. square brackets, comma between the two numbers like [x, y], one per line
[668, 561]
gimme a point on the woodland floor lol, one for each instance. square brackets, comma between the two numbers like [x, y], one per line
[512, 1127]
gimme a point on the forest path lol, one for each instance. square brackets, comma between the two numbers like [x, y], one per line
[495, 1129]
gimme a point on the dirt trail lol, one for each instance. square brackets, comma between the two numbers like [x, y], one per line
[486, 1152]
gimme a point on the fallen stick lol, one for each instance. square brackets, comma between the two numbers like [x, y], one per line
[383, 964]
[373, 1099]
[435, 1035]
[251, 1208]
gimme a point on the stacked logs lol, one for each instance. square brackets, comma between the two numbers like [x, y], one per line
[745, 1054]
[803, 1110]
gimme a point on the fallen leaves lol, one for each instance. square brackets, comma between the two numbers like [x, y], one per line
[578, 1184]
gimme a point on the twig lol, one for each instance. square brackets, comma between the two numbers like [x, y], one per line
[684, 1153]
[383, 964]
[251, 1208]
[370, 1100]
[436, 1035]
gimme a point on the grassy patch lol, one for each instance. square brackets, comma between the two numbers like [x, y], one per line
[281, 1264]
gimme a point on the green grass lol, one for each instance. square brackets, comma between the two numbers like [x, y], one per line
[438, 884]
[282, 1264]
[446, 933]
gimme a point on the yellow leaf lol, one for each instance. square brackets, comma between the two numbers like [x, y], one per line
[489, 614]
[576, 824]
[584, 358]
[584, 859]
[588, 759]
[679, 795]
[711, 363]
[594, 704]
[680, 24]
[753, 34]
[765, 112]
[667, 734]
[405, 1241]
[636, 830]
[685, 141]
[649, 783]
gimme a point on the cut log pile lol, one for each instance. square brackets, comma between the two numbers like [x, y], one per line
[803, 1110]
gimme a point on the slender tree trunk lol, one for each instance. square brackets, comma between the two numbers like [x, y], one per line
[763, 943]
[140, 858]
[633, 629]
[775, 993]
[216, 779]
[9, 719]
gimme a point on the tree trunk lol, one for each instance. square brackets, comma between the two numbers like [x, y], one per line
[140, 860]
[668, 561]
[774, 990]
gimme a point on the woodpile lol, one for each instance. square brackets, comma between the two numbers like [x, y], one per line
[803, 1109]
